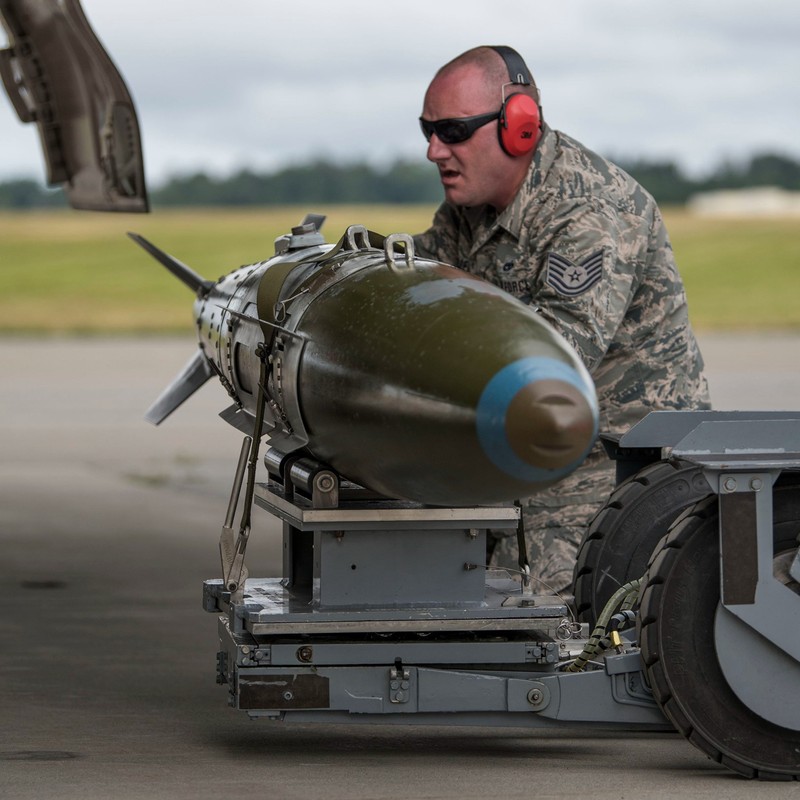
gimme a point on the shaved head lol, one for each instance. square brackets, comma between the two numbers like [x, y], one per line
[492, 68]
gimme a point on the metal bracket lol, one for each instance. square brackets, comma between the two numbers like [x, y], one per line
[357, 238]
[522, 554]
[538, 696]
[222, 667]
[10, 73]
[237, 574]
[325, 491]
[227, 543]
[393, 256]
[749, 589]
[399, 684]
[542, 653]
[742, 454]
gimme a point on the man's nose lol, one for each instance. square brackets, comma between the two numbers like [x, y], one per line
[437, 149]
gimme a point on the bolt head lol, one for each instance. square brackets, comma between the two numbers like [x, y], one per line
[538, 697]
[305, 654]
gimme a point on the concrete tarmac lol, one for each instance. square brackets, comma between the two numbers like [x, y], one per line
[108, 527]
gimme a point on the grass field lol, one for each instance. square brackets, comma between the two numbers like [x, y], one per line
[73, 272]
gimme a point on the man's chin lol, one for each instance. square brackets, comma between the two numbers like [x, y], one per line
[454, 196]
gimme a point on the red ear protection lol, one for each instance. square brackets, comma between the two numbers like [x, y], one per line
[519, 125]
[520, 122]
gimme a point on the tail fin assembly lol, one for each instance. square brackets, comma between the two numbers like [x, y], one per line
[195, 282]
[198, 369]
[196, 372]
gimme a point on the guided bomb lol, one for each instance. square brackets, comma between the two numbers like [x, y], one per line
[407, 376]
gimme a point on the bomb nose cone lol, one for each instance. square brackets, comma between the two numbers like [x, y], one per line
[549, 424]
[537, 418]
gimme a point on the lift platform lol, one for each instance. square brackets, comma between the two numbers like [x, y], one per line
[387, 613]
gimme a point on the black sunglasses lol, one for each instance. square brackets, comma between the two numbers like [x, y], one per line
[458, 129]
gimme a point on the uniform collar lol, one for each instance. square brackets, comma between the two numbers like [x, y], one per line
[485, 221]
[518, 211]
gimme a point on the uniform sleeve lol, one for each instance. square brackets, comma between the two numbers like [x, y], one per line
[587, 265]
[440, 241]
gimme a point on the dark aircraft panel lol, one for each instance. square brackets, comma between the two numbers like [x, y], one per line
[59, 77]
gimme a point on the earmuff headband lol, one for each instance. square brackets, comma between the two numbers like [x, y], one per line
[519, 126]
[518, 71]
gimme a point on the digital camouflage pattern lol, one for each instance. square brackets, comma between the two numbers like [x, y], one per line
[555, 524]
[586, 245]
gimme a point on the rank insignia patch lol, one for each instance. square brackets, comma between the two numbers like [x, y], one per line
[572, 278]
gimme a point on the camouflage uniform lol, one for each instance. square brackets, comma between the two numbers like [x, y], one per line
[586, 245]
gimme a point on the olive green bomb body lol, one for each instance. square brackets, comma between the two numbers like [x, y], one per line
[407, 376]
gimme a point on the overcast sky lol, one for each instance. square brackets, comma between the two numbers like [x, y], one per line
[265, 83]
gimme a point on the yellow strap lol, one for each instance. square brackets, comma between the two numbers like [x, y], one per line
[269, 289]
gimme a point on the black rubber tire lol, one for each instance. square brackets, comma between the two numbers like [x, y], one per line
[621, 537]
[679, 600]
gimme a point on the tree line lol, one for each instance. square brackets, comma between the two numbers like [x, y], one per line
[328, 182]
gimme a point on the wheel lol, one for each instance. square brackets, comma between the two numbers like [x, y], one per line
[678, 624]
[623, 534]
